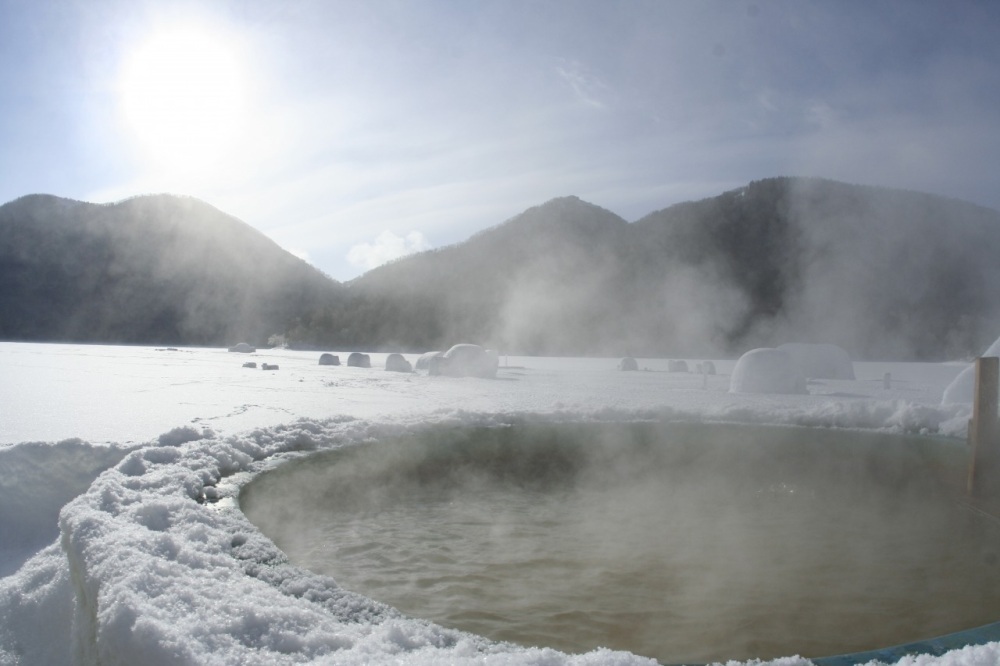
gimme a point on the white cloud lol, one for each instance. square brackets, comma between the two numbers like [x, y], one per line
[386, 247]
[587, 86]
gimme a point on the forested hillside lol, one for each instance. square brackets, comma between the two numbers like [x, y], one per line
[469, 291]
[884, 273]
[153, 269]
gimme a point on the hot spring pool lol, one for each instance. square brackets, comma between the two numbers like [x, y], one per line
[682, 542]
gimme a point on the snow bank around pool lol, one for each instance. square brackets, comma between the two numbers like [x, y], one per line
[36, 480]
[156, 564]
[159, 566]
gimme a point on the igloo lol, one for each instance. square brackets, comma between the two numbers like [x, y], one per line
[767, 371]
[820, 361]
[628, 363]
[329, 359]
[424, 360]
[466, 360]
[677, 366]
[396, 363]
[359, 360]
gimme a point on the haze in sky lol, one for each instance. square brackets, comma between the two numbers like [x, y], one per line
[355, 132]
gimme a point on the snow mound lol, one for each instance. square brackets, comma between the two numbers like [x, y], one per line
[182, 435]
[37, 480]
[465, 360]
[359, 360]
[962, 389]
[424, 360]
[396, 363]
[767, 370]
[820, 361]
[677, 366]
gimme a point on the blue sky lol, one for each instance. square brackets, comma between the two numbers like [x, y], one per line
[351, 132]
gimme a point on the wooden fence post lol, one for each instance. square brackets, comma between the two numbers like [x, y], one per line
[984, 466]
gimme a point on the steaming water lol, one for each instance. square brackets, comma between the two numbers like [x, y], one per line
[679, 542]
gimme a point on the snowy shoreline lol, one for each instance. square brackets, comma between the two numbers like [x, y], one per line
[154, 562]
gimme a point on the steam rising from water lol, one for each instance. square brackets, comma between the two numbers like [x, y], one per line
[677, 541]
[885, 274]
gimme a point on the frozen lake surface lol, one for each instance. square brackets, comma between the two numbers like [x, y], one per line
[134, 394]
[152, 561]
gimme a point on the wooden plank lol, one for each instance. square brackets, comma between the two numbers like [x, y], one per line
[984, 466]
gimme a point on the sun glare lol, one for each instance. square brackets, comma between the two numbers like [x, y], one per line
[183, 97]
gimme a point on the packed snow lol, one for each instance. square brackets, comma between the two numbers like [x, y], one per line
[123, 542]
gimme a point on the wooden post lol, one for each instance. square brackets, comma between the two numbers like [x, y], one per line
[984, 466]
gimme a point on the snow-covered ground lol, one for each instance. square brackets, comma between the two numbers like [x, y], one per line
[121, 540]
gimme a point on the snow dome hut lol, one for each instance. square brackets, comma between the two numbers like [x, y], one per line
[706, 368]
[329, 359]
[820, 361]
[767, 371]
[465, 360]
[424, 361]
[677, 366]
[628, 363]
[359, 360]
[396, 363]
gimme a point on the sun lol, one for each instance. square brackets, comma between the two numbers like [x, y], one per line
[183, 97]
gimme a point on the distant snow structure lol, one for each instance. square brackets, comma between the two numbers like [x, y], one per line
[424, 361]
[329, 359]
[269, 366]
[706, 368]
[250, 364]
[359, 360]
[465, 360]
[962, 390]
[242, 348]
[628, 364]
[820, 361]
[396, 363]
[767, 370]
[677, 366]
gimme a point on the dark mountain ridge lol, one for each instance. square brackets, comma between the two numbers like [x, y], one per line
[158, 269]
[886, 274]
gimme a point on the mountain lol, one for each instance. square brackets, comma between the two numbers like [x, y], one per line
[884, 273]
[158, 269]
[467, 291]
